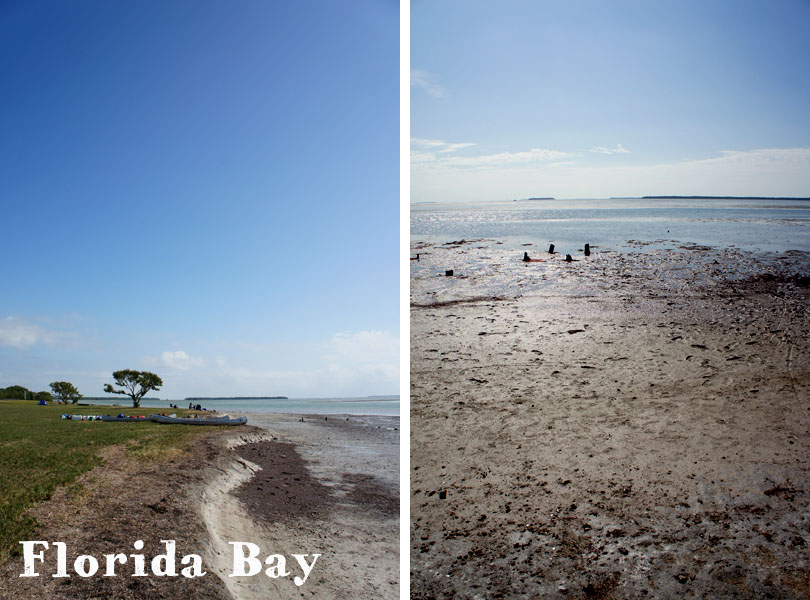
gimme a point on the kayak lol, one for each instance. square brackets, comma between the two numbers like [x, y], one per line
[224, 420]
[110, 419]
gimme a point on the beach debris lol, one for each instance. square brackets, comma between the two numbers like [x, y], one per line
[442, 495]
[568, 258]
[448, 273]
[415, 257]
[527, 259]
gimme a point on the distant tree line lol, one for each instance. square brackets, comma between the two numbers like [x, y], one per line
[18, 392]
[136, 385]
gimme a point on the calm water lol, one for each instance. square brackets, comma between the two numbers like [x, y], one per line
[756, 225]
[373, 405]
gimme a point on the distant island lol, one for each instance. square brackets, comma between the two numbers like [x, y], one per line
[194, 398]
[721, 198]
[539, 198]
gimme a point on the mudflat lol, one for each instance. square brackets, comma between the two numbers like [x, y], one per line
[310, 484]
[624, 426]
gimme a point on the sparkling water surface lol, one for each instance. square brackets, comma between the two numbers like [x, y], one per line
[630, 239]
[755, 225]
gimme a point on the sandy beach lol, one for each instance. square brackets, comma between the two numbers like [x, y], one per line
[623, 426]
[326, 485]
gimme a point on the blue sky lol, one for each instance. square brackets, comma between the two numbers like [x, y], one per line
[587, 98]
[208, 190]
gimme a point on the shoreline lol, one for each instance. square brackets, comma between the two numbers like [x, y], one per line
[328, 498]
[189, 499]
[622, 426]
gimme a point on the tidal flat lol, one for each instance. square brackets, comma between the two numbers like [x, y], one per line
[632, 424]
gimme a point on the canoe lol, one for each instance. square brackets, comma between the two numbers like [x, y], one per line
[110, 419]
[225, 420]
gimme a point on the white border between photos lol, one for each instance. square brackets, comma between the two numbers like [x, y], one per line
[404, 293]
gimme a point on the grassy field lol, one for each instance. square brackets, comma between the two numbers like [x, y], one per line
[40, 451]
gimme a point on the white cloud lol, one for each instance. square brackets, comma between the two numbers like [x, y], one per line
[19, 333]
[617, 150]
[180, 360]
[364, 348]
[355, 363]
[534, 155]
[434, 152]
[428, 143]
[440, 145]
[423, 79]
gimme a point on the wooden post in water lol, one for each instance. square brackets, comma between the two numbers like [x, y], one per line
[587, 249]
[551, 248]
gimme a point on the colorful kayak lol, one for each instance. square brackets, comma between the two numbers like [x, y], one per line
[123, 419]
[224, 420]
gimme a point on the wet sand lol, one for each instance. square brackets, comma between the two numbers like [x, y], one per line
[624, 426]
[326, 485]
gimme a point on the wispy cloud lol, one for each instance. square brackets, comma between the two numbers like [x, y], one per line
[534, 155]
[436, 152]
[425, 80]
[352, 358]
[440, 145]
[345, 364]
[364, 347]
[763, 172]
[20, 333]
[180, 360]
[619, 149]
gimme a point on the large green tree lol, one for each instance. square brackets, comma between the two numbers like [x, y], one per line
[64, 390]
[136, 384]
[16, 392]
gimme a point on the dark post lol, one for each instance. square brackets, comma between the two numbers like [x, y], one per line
[587, 249]
[551, 249]
[448, 273]
[526, 257]
[568, 258]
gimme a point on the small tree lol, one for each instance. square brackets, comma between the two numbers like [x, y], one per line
[136, 384]
[64, 390]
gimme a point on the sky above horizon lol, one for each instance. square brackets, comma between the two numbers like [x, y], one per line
[203, 189]
[592, 99]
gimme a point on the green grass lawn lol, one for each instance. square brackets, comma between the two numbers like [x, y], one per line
[40, 451]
